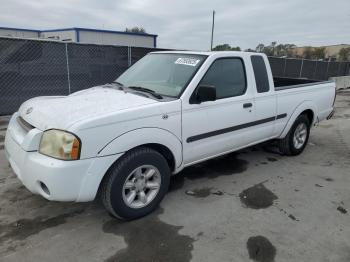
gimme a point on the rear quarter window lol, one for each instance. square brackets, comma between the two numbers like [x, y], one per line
[260, 73]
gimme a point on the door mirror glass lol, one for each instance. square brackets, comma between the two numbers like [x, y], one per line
[205, 93]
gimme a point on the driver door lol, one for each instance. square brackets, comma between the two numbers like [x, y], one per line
[215, 127]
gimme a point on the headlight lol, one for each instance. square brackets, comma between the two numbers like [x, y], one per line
[60, 144]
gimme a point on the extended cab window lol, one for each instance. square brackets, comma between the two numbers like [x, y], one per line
[227, 75]
[261, 77]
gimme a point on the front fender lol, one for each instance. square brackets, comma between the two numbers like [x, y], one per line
[142, 136]
[305, 105]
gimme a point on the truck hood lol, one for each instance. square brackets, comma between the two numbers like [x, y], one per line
[63, 111]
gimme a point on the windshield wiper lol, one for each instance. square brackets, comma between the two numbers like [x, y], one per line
[146, 90]
[121, 86]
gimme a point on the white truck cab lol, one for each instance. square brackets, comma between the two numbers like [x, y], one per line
[168, 111]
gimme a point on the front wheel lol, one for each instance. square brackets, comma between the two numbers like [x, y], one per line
[135, 184]
[296, 139]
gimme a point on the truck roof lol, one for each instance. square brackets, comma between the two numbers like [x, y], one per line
[209, 53]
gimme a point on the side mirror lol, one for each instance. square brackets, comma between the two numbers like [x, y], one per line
[204, 93]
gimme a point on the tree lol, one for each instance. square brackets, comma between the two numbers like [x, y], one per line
[319, 52]
[284, 50]
[344, 54]
[273, 44]
[260, 48]
[268, 50]
[289, 49]
[226, 47]
[307, 53]
[280, 50]
[223, 47]
[276, 50]
[249, 50]
[237, 48]
[135, 29]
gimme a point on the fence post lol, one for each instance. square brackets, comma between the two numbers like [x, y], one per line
[285, 65]
[315, 70]
[301, 68]
[68, 73]
[129, 56]
[327, 76]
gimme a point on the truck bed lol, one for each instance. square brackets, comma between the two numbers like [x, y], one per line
[317, 95]
[282, 83]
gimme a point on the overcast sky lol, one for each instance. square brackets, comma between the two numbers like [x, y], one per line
[186, 24]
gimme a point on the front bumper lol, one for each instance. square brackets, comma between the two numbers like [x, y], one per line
[56, 179]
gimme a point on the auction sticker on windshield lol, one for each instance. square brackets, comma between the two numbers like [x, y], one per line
[187, 61]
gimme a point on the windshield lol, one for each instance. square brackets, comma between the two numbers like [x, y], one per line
[164, 73]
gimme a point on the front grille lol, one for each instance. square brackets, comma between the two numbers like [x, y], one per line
[24, 124]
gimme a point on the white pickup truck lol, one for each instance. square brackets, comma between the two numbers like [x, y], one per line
[168, 111]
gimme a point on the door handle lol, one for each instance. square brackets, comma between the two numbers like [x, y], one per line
[247, 105]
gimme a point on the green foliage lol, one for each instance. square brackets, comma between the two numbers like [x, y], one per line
[135, 29]
[319, 52]
[344, 54]
[249, 50]
[284, 50]
[260, 48]
[226, 47]
[275, 49]
[308, 53]
[223, 47]
[288, 50]
[237, 48]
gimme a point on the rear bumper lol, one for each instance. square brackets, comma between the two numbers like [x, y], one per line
[64, 180]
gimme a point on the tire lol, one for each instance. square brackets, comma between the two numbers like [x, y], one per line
[124, 179]
[287, 145]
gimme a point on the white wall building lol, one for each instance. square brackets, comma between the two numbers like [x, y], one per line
[19, 32]
[85, 35]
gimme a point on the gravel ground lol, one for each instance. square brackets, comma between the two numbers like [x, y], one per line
[249, 205]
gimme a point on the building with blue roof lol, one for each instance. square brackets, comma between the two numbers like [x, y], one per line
[85, 35]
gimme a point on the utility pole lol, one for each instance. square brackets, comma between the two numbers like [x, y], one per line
[212, 31]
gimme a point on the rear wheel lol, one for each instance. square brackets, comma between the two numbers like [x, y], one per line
[296, 139]
[136, 184]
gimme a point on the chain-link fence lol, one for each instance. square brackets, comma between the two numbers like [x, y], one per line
[304, 68]
[30, 68]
